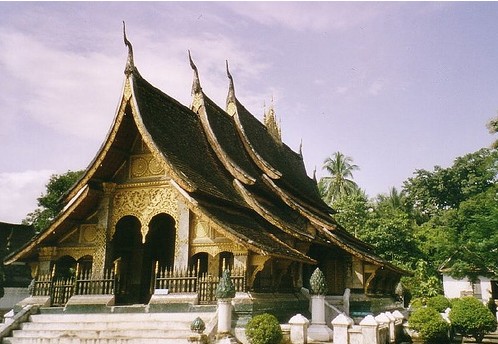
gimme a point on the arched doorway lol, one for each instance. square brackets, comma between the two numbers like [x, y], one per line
[65, 267]
[225, 261]
[199, 263]
[127, 259]
[159, 249]
[85, 264]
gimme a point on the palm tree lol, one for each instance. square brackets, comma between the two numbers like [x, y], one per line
[340, 182]
[394, 200]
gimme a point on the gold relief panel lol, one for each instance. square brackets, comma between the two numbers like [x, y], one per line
[145, 165]
[88, 234]
[144, 202]
[202, 230]
[75, 252]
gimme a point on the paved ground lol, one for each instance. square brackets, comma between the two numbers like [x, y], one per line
[490, 338]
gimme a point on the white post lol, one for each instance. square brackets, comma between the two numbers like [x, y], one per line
[369, 330]
[383, 320]
[341, 325]
[224, 316]
[318, 331]
[392, 323]
[299, 329]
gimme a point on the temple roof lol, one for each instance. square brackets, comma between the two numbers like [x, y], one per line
[253, 187]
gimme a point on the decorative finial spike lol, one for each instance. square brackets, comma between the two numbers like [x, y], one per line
[231, 101]
[301, 149]
[130, 65]
[270, 122]
[196, 86]
[314, 175]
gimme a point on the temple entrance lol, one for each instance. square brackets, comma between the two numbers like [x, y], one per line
[159, 250]
[127, 258]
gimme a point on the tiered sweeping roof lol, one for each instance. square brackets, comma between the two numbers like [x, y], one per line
[227, 165]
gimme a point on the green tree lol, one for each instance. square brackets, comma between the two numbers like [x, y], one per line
[49, 204]
[353, 211]
[391, 233]
[493, 129]
[340, 181]
[445, 188]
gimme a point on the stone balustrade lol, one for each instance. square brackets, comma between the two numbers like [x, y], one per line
[384, 328]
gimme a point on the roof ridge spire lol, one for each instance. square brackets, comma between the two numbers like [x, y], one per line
[130, 65]
[196, 84]
[231, 107]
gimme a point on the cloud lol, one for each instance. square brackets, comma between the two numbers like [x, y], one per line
[69, 92]
[315, 16]
[376, 87]
[20, 191]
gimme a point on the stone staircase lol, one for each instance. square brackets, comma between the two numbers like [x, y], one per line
[108, 328]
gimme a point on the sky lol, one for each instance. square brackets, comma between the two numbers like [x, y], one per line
[397, 86]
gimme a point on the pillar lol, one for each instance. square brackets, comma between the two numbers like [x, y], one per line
[224, 316]
[299, 329]
[369, 330]
[318, 331]
[341, 324]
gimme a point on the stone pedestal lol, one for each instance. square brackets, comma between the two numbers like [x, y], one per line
[224, 316]
[299, 329]
[341, 325]
[369, 330]
[318, 331]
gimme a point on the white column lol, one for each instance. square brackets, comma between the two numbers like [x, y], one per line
[224, 316]
[369, 329]
[341, 325]
[299, 329]
[318, 331]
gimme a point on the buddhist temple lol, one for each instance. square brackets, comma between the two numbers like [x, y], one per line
[177, 194]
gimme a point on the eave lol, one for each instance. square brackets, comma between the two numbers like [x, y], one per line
[66, 219]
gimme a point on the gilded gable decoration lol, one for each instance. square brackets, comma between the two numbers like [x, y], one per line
[145, 165]
[143, 202]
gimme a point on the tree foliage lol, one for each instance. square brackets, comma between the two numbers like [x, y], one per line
[49, 204]
[340, 180]
[493, 129]
[430, 192]
[446, 217]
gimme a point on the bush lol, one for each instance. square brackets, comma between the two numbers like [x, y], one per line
[418, 302]
[264, 329]
[439, 303]
[430, 325]
[471, 318]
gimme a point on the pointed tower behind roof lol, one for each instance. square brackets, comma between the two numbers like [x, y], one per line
[270, 122]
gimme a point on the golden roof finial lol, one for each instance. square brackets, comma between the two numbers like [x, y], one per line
[196, 86]
[130, 65]
[270, 121]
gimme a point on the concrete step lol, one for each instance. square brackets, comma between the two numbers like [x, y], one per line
[100, 325]
[67, 340]
[118, 317]
[106, 328]
[108, 334]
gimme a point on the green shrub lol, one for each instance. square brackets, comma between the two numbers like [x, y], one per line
[439, 303]
[430, 325]
[264, 329]
[471, 318]
[418, 302]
